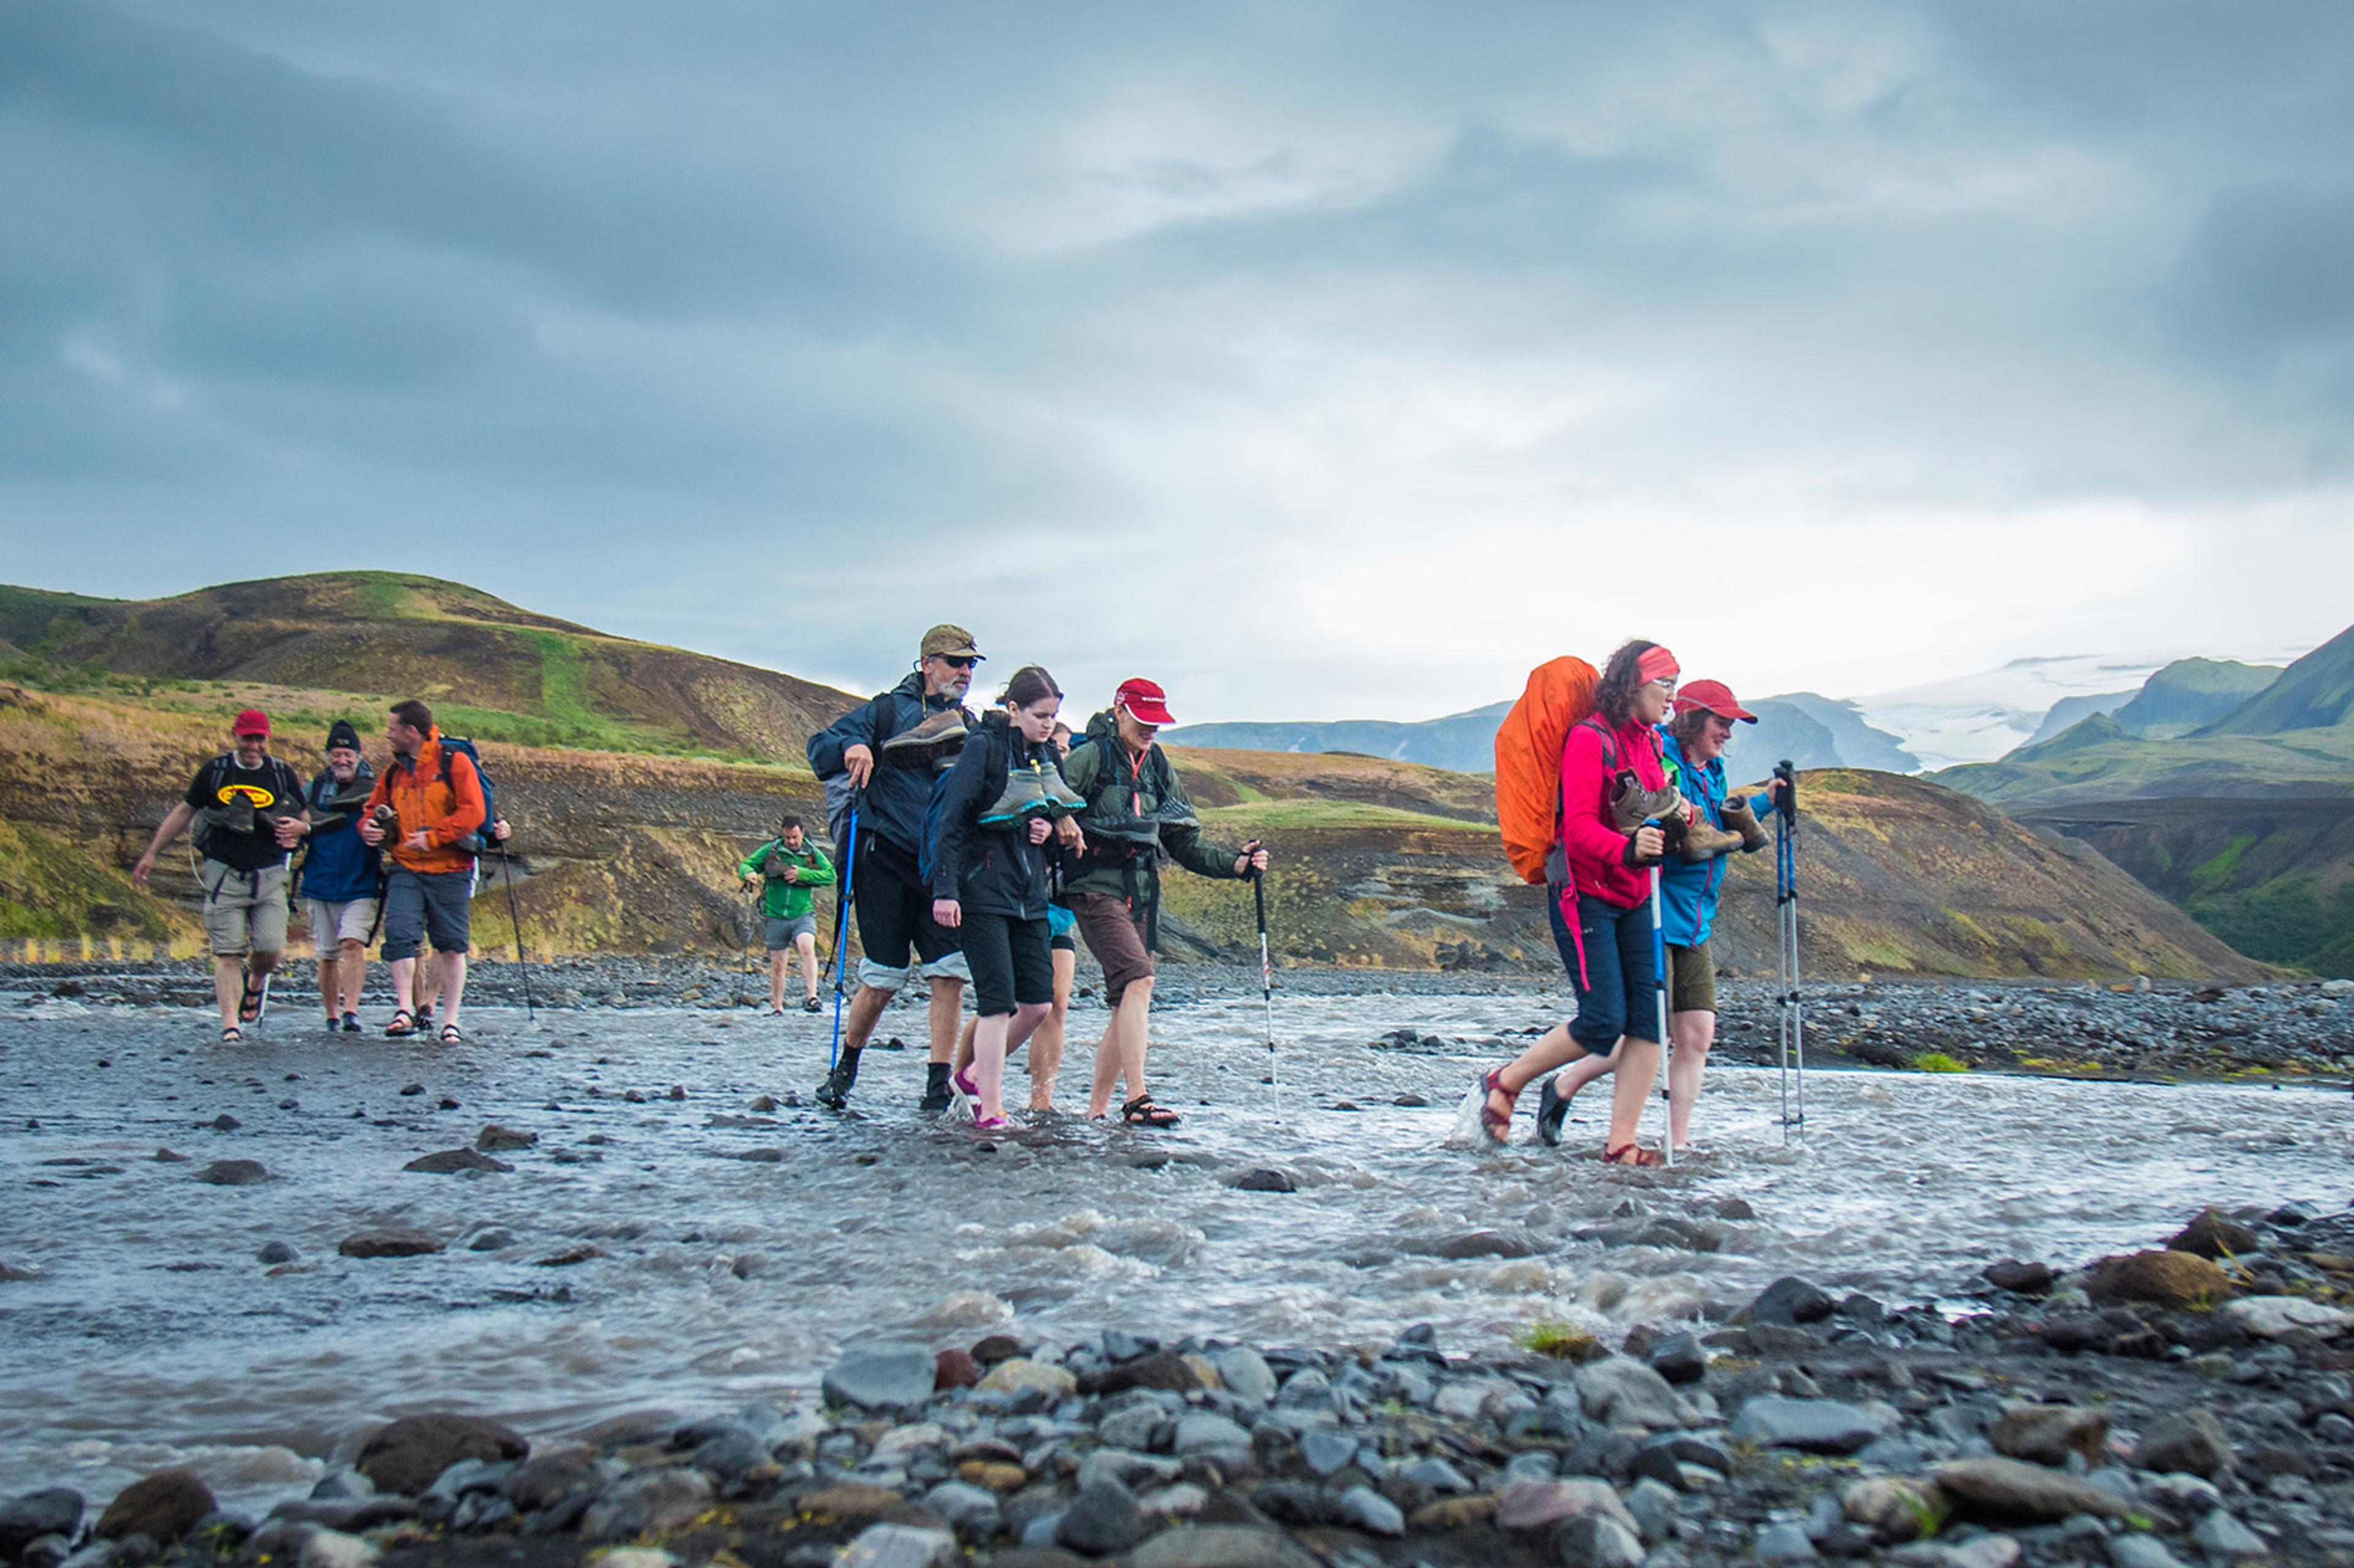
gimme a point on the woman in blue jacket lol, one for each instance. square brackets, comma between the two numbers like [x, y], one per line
[1693, 744]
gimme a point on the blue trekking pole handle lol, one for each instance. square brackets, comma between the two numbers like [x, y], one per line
[842, 929]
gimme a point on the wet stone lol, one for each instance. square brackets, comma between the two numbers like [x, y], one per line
[234, 1173]
[163, 1507]
[1103, 1519]
[54, 1511]
[410, 1455]
[882, 1380]
[1368, 1510]
[900, 1546]
[455, 1161]
[1816, 1426]
[1788, 1301]
[396, 1242]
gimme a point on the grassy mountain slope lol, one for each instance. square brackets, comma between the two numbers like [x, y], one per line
[2192, 693]
[2315, 693]
[494, 669]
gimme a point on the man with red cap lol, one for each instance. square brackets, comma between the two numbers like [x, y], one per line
[1693, 750]
[248, 811]
[1137, 813]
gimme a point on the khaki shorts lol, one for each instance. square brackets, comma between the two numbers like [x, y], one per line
[1691, 980]
[245, 911]
[350, 920]
[1117, 940]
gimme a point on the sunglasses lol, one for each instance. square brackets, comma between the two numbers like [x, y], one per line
[959, 661]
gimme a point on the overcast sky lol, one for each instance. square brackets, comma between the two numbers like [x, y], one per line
[1320, 360]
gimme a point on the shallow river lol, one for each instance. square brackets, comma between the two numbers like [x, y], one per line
[151, 1333]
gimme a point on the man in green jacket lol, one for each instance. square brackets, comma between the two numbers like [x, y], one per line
[1137, 814]
[786, 868]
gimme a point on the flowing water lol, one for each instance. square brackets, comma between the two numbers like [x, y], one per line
[701, 1278]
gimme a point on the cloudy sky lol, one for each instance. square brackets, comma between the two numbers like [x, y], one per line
[1321, 360]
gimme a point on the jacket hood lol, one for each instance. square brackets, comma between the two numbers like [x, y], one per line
[1103, 727]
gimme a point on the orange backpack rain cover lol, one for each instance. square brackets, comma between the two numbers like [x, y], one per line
[1528, 759]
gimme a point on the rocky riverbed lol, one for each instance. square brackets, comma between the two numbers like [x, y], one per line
[2184, 1405]
[656, 1300]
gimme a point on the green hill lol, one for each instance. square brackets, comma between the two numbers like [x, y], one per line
[2314, 694]
[494, 670]
[2192, 693]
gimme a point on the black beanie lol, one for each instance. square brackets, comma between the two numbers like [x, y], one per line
[341, 733]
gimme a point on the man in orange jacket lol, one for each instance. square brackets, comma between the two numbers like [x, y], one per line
[422, 807]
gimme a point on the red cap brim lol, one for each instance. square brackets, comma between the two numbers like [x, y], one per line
[1144, 710]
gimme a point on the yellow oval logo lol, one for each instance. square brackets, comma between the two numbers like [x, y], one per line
[262, 799]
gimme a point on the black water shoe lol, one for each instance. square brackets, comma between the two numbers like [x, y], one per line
[1553, 1110]
[938, 1095]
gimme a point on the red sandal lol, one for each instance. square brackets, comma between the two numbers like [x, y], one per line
[1643, 1158]
[1496, 1128]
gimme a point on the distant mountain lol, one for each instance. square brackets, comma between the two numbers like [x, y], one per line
[1809, 730]
[2315, 693]
[2192, 693]
[1981, 716]
[2068, 711]
[1813, 731]
[502, 673]
[1464, 742]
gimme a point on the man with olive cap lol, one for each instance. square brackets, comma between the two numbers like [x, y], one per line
[911, 730]
[1136, 813]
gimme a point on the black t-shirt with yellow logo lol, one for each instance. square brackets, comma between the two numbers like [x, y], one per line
[272, 790]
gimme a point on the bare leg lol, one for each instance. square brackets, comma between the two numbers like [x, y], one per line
[404, 985]
[354, 980]
[450, 969]
[1582, 1072]
[947, 1003]
[1639, 1069]
[330, 979]
[1046, 1046]
[1695, 1032]
[428, 979]
[776, 957]
[228, 986]
[1122, 1052]
[992, 1037]
[807, 944]
[866, 1010]
[964, 1045]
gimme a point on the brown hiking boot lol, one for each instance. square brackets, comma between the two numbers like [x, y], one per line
[1631, 805]
[1743, 821]
[932, 744]
[1705, 842]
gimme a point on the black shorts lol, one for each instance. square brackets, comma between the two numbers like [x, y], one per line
[1011, 963]
[895, 928]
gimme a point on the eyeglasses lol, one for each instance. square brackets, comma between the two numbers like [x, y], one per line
[959, 661]
[1666, 683]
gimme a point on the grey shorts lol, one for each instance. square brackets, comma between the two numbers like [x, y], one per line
[421, 906]
[349, 921]
[245, 911]
[781, 934]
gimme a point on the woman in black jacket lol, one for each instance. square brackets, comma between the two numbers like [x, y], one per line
[988, 863]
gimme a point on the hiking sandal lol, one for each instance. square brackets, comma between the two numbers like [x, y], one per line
[450, 1035]
[253, 999]
[1142, 1111]
[811, 1004]
[231, 1034]
[1641, 1156]
[403, 1025]
[1496, 1128]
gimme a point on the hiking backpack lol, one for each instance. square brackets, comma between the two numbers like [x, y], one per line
[1559, 695]
[477, 843]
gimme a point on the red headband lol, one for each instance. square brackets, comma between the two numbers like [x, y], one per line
[1657, 665]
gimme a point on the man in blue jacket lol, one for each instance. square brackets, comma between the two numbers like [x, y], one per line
[1693, 745]
[896, 934]
[341, 879]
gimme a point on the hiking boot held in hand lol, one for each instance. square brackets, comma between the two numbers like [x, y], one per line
[932, 744]
[1743, 821]
[1033, 792]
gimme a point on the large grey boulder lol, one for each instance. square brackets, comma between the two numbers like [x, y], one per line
[882, 1380]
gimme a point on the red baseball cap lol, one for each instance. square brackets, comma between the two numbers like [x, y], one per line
[252, 721]
[1145, 703]
[1716, 697]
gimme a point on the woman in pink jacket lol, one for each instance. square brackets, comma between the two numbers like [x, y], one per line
[1601, 920]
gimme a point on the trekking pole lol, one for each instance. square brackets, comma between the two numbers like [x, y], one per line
[1266, 991]
[842, 929]
[751, 928]
[1786, 911]
[1660, 989]
[515, 918]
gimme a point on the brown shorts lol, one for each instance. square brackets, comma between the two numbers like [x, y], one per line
[1117, 940]
[1691, 980]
